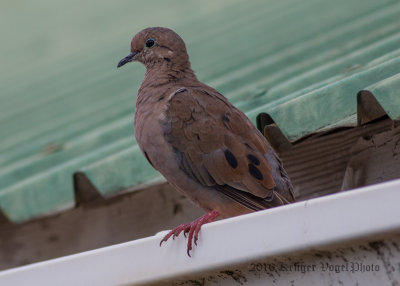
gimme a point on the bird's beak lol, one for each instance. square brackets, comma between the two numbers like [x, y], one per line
[126, 60]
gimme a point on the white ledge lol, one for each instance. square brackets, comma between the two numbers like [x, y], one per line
[304, 225]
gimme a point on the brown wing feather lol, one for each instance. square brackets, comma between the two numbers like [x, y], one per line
[217, 145]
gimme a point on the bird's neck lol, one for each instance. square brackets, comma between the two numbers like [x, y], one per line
[158, 76]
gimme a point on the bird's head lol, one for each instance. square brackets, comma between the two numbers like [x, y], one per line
[156, 47]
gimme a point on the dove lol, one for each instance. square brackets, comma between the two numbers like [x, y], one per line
[204, 146]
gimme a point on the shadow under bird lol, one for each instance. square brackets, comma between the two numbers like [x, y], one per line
[203, 145]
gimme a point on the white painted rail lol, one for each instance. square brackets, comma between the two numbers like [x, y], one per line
[248, 241]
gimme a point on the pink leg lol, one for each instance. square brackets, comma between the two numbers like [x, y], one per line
[192, 229]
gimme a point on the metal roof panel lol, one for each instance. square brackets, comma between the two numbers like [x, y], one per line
[65, 109]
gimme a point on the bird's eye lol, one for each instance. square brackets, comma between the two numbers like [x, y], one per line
[150, 43]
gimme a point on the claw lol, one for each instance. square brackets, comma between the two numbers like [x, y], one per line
[162, 240]
[192, 229]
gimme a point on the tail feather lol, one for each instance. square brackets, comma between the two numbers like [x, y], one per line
[251, 201]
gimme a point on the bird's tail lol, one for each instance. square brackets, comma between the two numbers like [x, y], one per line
[253, 202]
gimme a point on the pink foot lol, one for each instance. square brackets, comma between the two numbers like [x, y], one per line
[192, 228]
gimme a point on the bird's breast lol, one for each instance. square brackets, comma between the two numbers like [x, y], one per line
[150, 138]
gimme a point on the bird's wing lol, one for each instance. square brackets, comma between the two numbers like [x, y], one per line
[217, 145]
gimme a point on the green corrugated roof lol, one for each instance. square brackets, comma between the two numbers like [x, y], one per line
[65, 108]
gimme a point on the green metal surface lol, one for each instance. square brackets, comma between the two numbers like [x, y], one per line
[65, 108]
[387, 92]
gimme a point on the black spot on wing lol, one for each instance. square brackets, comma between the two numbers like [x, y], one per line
[230, 158]
[225, 117]
[255, 172]
[253, 159]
